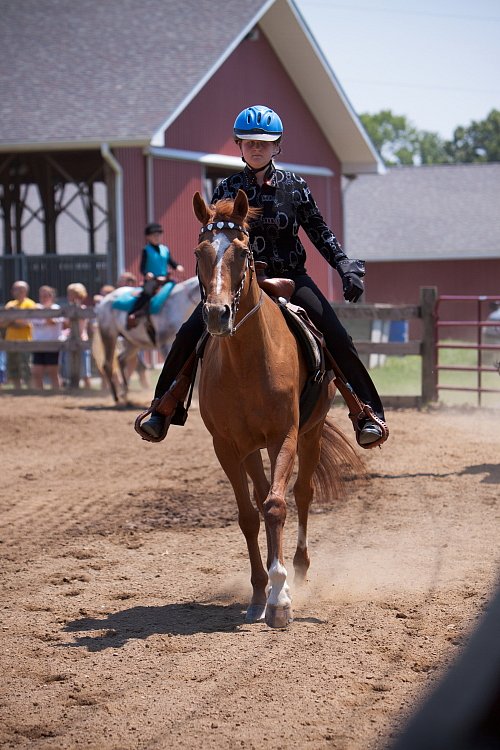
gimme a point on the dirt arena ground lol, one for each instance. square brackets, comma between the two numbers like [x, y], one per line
[125, 581]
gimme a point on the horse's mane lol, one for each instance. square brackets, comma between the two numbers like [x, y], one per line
[223, 210]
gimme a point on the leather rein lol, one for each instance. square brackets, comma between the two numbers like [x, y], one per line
[249, 266]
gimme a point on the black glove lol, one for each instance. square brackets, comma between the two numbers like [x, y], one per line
[351, 273]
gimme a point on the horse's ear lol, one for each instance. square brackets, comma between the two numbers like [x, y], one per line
[200, 209]
[241, 205]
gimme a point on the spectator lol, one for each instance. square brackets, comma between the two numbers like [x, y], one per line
[76, 295]
[47, 329]
[18, 363]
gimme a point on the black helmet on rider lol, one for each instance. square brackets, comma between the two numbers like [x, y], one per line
[153, 228]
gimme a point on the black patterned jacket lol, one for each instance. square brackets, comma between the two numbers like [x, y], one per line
[287, 204]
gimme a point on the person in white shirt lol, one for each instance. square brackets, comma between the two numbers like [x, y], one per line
[46, 329]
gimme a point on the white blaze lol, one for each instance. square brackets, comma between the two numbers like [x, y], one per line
[220, 243]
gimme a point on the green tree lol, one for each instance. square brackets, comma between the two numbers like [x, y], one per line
[432, 148]
[392, 135]
[479, 142]
[399, 142]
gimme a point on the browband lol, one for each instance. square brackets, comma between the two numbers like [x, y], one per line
[223, 225]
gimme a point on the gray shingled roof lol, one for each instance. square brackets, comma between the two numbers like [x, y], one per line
[87, 72]
[107, 70]
[430, 212]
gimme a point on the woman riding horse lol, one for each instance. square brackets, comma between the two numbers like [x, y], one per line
[285, 204]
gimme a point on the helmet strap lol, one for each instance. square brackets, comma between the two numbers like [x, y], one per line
[261, 169]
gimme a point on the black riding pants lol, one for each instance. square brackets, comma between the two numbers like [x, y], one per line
[338, 342]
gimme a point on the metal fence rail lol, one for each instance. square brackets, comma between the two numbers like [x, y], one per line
[480, 325]
[55, 270]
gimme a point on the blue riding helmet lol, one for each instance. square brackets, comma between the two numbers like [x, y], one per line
[258, 123]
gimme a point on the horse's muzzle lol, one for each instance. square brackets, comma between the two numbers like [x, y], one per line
[218, 319]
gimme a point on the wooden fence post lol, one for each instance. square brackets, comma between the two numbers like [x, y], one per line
[428, 299]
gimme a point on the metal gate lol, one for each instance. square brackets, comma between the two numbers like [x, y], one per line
[482, 337]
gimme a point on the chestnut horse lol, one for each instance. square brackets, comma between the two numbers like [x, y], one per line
[251, 379]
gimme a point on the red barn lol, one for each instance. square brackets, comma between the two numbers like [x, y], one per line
[114, 114]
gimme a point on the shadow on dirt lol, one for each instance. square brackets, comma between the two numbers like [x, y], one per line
[492, 471]
[141, 622]
[111, 407]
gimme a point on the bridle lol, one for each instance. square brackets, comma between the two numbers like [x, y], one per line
[214, 226]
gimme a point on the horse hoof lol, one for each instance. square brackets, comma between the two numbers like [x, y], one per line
[255, 613]
[278, 617]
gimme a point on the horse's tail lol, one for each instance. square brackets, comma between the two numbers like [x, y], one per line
[338, 463]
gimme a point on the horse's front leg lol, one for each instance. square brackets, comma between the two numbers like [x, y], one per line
[109, 344]
[279, 601]
[249, 522]
[127, 360]
[309, 449]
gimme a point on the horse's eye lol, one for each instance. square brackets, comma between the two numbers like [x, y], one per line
[197, 252]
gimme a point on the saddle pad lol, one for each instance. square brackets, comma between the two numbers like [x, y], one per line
[308, 342]
[161, 297]
[313, 354]
[127, 299]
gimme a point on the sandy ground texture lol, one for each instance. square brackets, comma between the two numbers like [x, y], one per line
[125, 580]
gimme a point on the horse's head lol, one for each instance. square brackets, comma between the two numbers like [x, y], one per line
[223, 257]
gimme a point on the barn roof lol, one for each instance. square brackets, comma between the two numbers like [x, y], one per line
[120, 72]
[440, 212]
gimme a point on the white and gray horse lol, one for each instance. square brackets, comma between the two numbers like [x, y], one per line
[112, 323]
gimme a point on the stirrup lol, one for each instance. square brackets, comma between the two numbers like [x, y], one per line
[368, 413]
[142, 416]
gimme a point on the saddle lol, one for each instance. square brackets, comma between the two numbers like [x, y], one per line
[275, 288]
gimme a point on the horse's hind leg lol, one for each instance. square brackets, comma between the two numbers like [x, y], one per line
[249, 522]
[309, 449]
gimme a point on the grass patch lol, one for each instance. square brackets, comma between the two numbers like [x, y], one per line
[401, 376]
